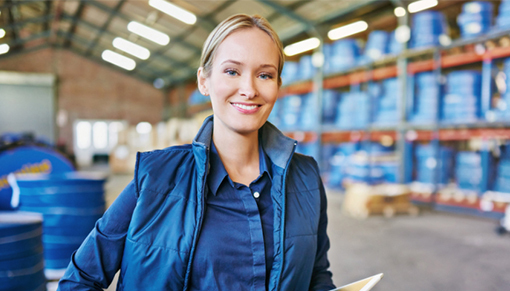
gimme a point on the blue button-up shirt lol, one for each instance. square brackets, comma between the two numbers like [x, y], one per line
[235, 248]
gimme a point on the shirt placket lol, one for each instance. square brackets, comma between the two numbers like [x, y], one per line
[256, 235]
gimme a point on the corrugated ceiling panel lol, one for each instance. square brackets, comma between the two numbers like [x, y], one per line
[110, 3]
[316, 10]
[198, 37]
[245, 6]
[94, 15]
[69, 7]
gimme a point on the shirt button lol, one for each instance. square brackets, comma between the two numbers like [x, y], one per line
[256, 194]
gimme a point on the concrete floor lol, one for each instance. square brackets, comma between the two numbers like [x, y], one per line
[434, 251]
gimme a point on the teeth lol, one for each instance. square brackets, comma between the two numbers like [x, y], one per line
[246, 107]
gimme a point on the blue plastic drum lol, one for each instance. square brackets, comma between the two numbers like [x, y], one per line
[21, 252]
[71, 203]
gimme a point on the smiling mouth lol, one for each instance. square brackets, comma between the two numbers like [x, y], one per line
[245, 107]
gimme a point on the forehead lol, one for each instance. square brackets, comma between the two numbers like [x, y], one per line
[248, 45]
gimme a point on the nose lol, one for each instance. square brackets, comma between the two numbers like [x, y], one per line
[248, 87]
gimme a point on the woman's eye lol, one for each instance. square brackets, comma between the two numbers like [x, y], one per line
[266, 76]
[231, 72]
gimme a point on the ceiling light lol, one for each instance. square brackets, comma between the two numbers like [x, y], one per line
[4, 48]
[118, 60]
[399, 11]
[2, 32]
[148, 33]
[347, 30]
[131, 48]
[302, 46]
[421, 5]
[174, 11]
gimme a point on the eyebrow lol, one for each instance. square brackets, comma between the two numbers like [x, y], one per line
[239, 63]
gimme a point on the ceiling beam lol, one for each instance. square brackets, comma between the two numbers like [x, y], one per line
[309, 25]
[47, 12]
[17, 25]
[77, 15]
[172, 61]
[110, 10]
[105, 26]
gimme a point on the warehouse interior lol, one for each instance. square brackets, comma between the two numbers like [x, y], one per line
[405, 106]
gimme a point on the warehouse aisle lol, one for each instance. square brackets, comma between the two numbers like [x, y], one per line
[434, 251]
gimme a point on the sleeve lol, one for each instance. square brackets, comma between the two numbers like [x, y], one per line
[96, 261]
[322, 277]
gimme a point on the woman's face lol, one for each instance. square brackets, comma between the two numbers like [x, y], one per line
[243, 83]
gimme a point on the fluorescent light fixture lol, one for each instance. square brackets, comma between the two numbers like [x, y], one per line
[2, 32]
[131, 48]
[118, 60]
[174, 11]
[421, 5]
[4, 48]
[399, 11]
[347, 30]
[302, 46]
[148, 33]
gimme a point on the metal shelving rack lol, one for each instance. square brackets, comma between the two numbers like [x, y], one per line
[405, 132]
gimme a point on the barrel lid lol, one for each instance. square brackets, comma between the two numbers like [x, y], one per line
[13, 218]
[75, 176]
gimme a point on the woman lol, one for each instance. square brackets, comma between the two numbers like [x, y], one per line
[235, 210]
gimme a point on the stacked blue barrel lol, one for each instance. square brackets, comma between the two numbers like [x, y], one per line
[70, 203]
[475, 19]
[309, 119]
[461, 102]
[353, 111]
[430, 170]
[394, 46]
[502, 108]
[291, 107]
[387, 105]
[376, 47]
[341, 55]
[373, 164]
[471, 171]
[427, 98]
[337, 163]
[21, 252]
[502, 179]
[290, 72]
[427, 28]
[306, 68]
[329, 106]
[503, 19]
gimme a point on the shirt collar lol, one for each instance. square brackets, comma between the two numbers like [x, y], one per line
[218, 173]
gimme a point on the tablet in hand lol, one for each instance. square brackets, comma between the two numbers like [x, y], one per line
[361, 285]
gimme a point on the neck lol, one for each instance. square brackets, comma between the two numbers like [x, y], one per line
[239, 154]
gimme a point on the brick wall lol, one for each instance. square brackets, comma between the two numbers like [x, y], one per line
[88, 90]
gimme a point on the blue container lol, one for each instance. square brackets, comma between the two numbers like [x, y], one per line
[70, 203]
[197, 98]
[426, 29]
[343, 55]
[394, 47]
[329, 106]
[275, 116]
[21, 252]
[27, 159]
[290, 72]
[306, 68]
[291, 111]
[308, 119]
[377, 45]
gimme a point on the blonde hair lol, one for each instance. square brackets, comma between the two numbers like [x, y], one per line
[227, 27]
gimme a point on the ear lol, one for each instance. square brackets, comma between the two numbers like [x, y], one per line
[202, 82]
